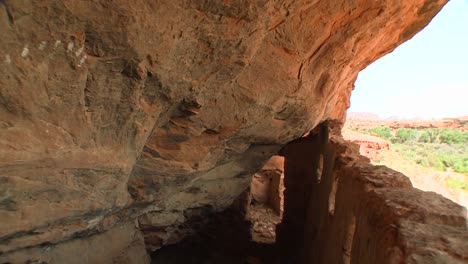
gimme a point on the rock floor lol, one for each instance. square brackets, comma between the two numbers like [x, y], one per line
[264, 220]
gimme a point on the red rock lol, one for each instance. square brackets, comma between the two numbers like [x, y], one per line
[113, 109]
[368, 145]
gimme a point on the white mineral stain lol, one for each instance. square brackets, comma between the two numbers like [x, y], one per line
[25, 52]
[43, 45]
[95, 221]
[70, 46]
[57, 43]
[83, 60]
[79, 51]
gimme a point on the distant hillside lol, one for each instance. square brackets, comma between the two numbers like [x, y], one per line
[362, 116]
[368, 123]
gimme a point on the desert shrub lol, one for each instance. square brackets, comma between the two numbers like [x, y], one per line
[438, 164]
[430, 160]
[424, 137]
[457, 183]
[407, 152]
[439, 156]
[456, 162]
[461, 165]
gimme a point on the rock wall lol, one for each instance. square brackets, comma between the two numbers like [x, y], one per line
[354, 212]
[113, 109]
[267, 184]
[123, 244]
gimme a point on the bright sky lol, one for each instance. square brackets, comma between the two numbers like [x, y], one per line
[425, 77]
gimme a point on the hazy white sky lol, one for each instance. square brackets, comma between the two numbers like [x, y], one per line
[425, 77]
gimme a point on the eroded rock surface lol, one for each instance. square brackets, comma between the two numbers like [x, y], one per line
[111, 110]
[354, 212]
[123, 244]
[369, 146]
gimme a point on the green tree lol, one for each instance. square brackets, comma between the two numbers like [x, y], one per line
[382, 131]
[453, 136]
[429, 135]
[406, 135]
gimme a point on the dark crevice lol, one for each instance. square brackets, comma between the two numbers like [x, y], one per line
[224, 237]
[7, 9]
[243, 233]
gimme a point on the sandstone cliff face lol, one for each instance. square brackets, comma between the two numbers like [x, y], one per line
[110, 110]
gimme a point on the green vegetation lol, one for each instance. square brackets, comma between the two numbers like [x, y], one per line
[405, 135]
[457, 183]
[453, 136]
[412, 135]
[443, 149]
[382, 131]
[439, 156]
